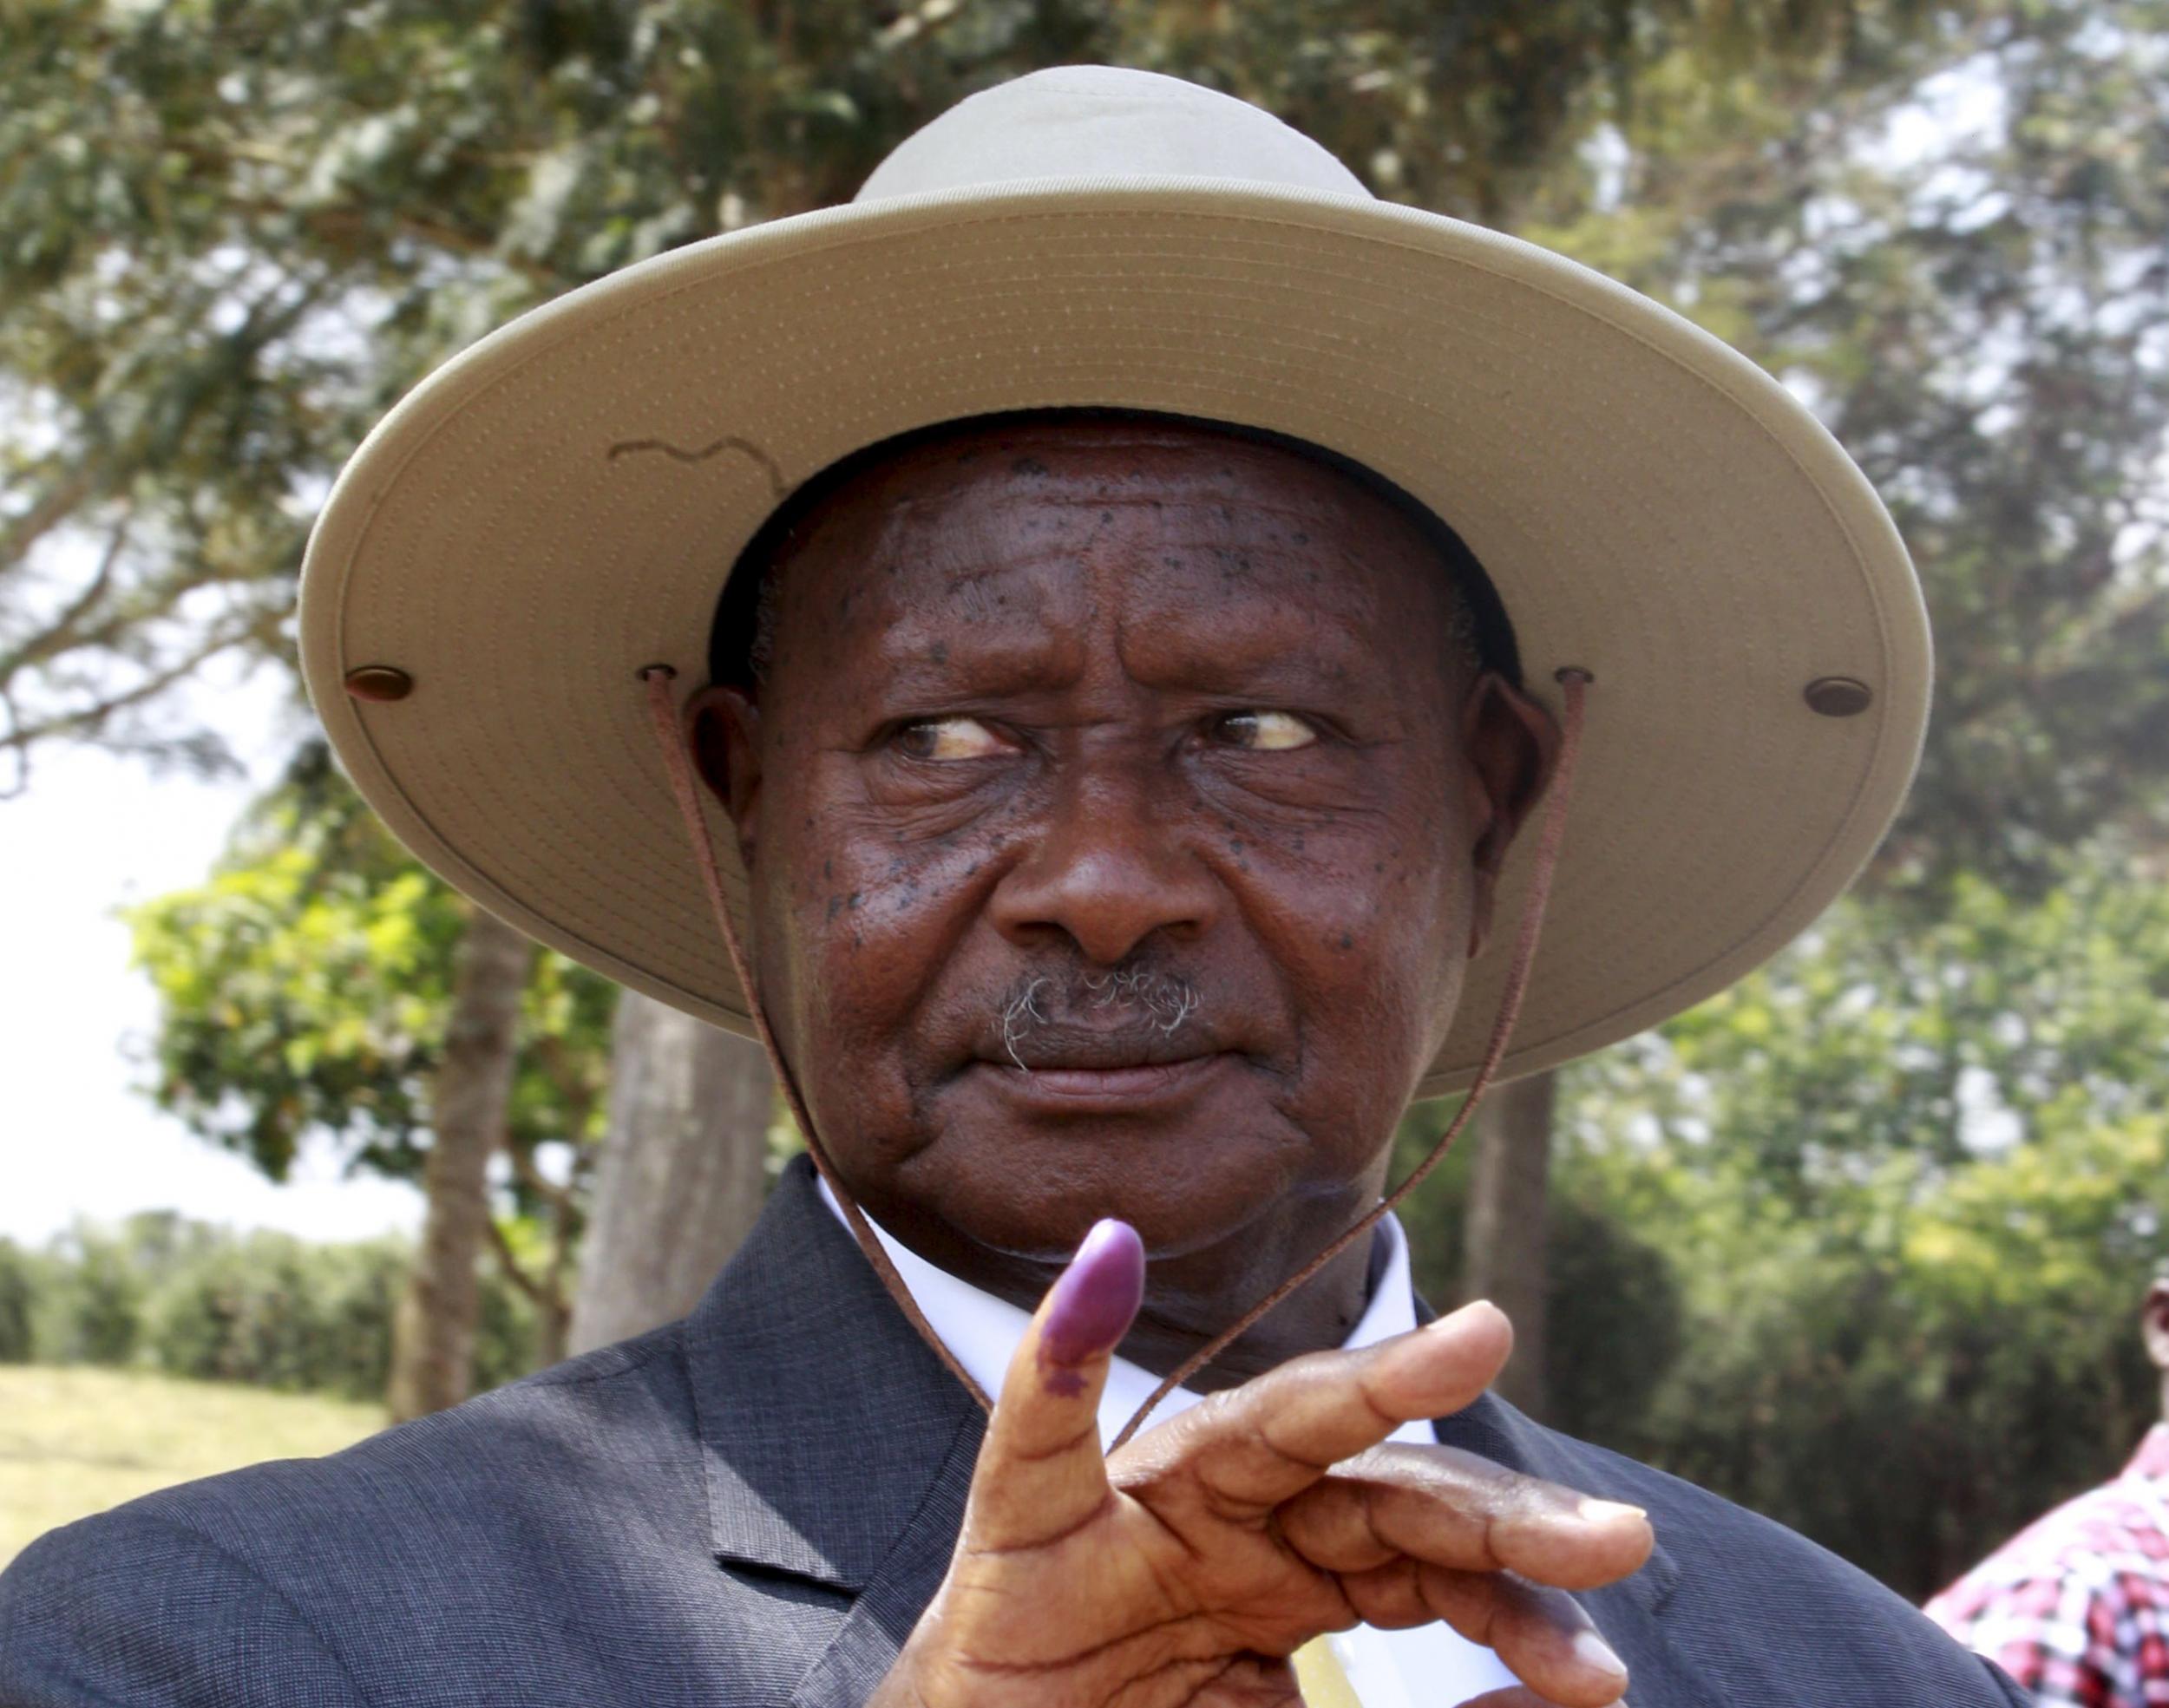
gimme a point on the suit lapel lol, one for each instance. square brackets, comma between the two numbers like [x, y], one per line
[835, 1445]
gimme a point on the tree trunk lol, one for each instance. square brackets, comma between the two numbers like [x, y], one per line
[433, 1334]
[1508, 1221]
[682, 1174]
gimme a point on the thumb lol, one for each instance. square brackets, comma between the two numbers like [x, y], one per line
[1041, 1473]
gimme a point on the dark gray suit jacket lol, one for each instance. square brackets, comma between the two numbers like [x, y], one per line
[752, 1506]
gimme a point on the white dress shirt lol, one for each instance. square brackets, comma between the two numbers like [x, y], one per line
[1430, 1666]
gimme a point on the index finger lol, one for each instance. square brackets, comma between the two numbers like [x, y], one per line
[1040, 1473]
[1251, 1448]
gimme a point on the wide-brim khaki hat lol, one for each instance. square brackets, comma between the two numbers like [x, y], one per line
[556, 509]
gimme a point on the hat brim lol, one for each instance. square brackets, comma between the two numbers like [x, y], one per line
[556, 509]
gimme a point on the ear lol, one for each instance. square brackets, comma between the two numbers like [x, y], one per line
[1512, 745]
[723, 732]
[2153, 1325]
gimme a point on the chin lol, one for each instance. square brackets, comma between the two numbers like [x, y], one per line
[1037, 1198]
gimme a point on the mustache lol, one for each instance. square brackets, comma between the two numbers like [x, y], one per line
[1139, 1002]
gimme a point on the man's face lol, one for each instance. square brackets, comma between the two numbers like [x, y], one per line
[1119, 807]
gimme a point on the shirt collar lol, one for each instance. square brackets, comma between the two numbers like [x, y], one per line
[982, 1331]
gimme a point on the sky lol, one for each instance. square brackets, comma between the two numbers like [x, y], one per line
[77, 1139]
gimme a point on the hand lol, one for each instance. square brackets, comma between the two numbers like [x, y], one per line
[1184, 1572]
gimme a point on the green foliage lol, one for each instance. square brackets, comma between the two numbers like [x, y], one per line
[1909, 1186]
[18, 1291]
[1962, 272]
[262, 1309]
[1861, 1242]
[273, 1312]
[305, 987]
[1613, 1306]
[90, 1311]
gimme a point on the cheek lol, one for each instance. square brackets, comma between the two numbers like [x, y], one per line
[1370, 927]
[854, 939]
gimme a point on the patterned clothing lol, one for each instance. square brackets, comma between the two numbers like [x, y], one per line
[2076, 1607]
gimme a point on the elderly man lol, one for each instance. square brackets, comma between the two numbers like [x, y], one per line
[1111, 775]
[2076, 1606]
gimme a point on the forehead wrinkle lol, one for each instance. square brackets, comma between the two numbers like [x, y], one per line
[1218, 653]
[1018, 655]
[966, 561]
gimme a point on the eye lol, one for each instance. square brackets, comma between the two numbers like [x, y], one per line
[1264, 731]
[950, 738]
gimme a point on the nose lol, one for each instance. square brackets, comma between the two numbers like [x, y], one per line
[1107, 870]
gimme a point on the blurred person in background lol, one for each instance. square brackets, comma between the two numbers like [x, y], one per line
[2076, 1606]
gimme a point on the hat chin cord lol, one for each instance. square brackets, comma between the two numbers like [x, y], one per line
[677, 760]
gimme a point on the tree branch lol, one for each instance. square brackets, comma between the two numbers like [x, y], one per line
[58, 635]
[86, 719]
[341, 225]
[60, 502]
[535, 1181]
[518, 1276]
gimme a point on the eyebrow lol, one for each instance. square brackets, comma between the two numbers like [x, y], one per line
[982, 661]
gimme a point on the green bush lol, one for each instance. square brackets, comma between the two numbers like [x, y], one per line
[264, 1309]
[90, 1309]
[1613, 1310]
[18, 1293]
[271, 1312]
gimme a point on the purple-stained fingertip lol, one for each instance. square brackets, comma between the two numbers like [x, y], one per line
[1097, 1297]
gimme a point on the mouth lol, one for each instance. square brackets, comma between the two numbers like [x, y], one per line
[1056, 1081]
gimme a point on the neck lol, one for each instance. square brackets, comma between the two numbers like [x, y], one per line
[1317, 1318]
[1191, 1299]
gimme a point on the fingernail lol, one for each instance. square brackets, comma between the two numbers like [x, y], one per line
[1097, 1297]
[1603, 1512]
[1592, 1650]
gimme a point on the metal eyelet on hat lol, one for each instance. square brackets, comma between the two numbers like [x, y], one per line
[1838, 696]
[381, 683]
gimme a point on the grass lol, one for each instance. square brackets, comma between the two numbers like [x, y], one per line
[76, 1441]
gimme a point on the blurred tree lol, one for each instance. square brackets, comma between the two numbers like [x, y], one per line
[683, 1172]
[262, 1308]
[1912, 1183]
[88, 1308]
[1508, 1238]
[313, 984]
[433, 1336]
[1611, 1308]
[1967, 274]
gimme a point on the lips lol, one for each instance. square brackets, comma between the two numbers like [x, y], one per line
[1057, 1047]
[1143, 1081]
[1125, 1087]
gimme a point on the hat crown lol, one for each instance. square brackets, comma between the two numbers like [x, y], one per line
[1096, 121]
